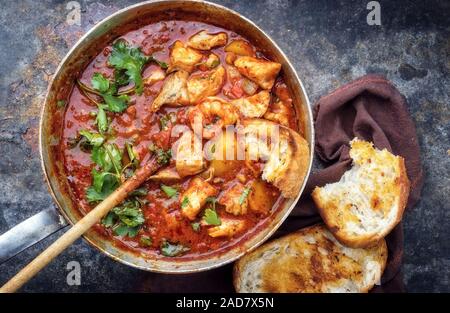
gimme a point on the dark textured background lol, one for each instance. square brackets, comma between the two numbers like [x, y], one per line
[329, 43]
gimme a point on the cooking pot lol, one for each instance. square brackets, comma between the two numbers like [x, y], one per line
[51, 125]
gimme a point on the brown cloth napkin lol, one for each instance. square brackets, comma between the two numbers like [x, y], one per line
[369, 108]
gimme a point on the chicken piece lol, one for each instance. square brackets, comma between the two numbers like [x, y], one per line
[173, 92]
[228, 228]
[235, 199]
[260, 71]
[189, 157]
[183, 58]
[203, 85]
[204, 41]
[155, 77]
[278, 113]
[194, 197]
[254, 106]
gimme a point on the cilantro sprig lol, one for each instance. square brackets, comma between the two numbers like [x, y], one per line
[129, 63]
[125, 220]
[172, 249]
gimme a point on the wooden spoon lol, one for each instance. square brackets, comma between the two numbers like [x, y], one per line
[117, 197]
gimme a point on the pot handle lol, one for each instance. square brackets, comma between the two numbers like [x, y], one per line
[29, 232]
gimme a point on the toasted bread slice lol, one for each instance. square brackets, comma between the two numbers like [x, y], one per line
[369, 200]
[287, 163]
[310, 260]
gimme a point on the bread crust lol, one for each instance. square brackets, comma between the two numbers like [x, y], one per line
[380, 254]
[364, 241]
[291, 179]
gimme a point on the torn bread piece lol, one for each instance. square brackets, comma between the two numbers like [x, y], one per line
[173, 92]
[369, 200]
[308, 261]
[260, 71]
[205, 41]
[287, 157]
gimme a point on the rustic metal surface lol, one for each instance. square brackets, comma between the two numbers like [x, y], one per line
[329, 43]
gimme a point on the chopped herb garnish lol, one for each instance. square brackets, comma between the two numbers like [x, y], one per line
[125, 220]
[100, 83]
[184, 202]
[244, 195]
[61, 103]
[166, 119]
[169, 191]
[145, 241]
[94, 139]
[107, 90]
[130, 60]
[162, 157]
[195, 226]
[211, 218]
[101, 120]
[171, 249]
[109, 159]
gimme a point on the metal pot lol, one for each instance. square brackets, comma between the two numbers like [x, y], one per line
[52, 121]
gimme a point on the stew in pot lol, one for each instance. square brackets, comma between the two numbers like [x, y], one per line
[156, 92]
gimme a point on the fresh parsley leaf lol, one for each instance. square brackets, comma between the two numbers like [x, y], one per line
[124, 230]
[121, 78]
[211, 218]
[108, 90]
[125, 220]
[130, 214]
[104, 184]
[109, 220]
[61, 103]
[101, 120]
[94, 139]
[166, 119]
[171, 249]
[162, 157]
[195, 226]
[169, 191]
[244, 195]
[116, 103]
[100, 83]
[184, 202]
[108, 157]
[145, 241]
[132, 60]
[99, 179]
